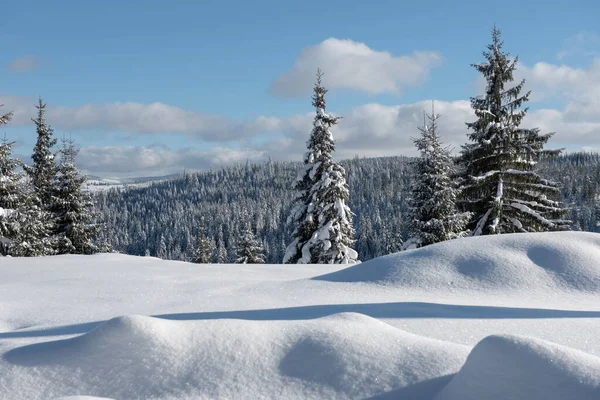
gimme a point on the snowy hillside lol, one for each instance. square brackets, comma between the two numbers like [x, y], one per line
[96, 183]
[510, 316]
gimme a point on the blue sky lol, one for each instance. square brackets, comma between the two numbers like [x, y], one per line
[223, 66]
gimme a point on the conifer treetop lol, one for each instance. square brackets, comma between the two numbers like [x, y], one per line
[5, 119]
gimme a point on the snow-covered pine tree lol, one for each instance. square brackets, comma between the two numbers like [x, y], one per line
[72, 206]
[43, 170]
[249, 250]
[10, 191]
[500, 185]
[33, 238]
[204, 247]
[221, 257]
[161, 252]
[323, 231]
[434, 217]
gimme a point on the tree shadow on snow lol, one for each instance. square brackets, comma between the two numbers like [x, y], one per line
[375, 310]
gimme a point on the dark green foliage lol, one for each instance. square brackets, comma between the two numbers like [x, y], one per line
[501, 187]
[72, 207]
[43, 170]
[434, 215]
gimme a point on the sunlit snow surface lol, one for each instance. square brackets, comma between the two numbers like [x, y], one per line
[511, 316]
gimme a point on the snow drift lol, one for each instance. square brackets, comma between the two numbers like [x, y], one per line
[343, 356]
[520, 368]
[568, 261]
[399, 327]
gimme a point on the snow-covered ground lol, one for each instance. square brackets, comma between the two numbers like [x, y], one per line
[504, 317]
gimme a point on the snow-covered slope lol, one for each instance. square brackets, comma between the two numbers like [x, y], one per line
[401, 326]
[96, 183]
[568, 261]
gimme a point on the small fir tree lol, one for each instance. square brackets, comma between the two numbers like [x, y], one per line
[323, 231]
[72, 206]
[204, 248]
[249, 250]
[500, 185]
[33, 237]
[43, 170]
[161, 252]
[433, 209]
[10, 191]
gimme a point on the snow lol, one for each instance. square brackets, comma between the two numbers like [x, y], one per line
[521, 368]
[539, 262]
[5, 212]
[507, 316]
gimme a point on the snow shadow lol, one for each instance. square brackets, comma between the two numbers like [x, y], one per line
[388, 310]
[425, 390]
[375, 310]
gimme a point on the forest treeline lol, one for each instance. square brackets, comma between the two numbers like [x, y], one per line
[140, 220]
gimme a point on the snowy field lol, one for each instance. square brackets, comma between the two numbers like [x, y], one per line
[504, 317]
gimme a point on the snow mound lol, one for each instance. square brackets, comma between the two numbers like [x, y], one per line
[520, 368]
[547, 261]
[341, 356]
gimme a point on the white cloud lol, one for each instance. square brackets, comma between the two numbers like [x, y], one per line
[578, 88]
[370, 130]
[154, 118]
[131, 161]
[23, 64]
[353, 65]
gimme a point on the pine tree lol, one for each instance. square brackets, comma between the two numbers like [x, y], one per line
[161, 252]
[10, 195]
[221, 253]
[500, 185]
[33, 238]
[72, 206]
[323, 231]
[433, 209]
[203, 247]
[249, 250]
[43, 170]
[10, 191]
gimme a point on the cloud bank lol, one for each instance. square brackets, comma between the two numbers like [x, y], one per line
[352, 65]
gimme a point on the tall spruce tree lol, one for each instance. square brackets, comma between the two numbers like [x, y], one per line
[501, 187]
[323, 231]
[249, 250]
[72, 206]
[43, 170]
[434, 217]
